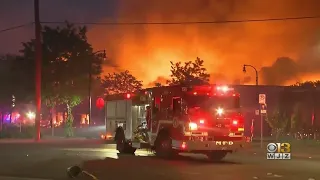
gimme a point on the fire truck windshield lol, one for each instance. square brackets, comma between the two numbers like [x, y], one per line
[225, 102]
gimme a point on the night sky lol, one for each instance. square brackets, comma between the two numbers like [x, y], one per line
[17, 12]
[224, 47]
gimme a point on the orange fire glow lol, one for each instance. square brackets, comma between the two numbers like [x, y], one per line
[303, 78]
[146, 50]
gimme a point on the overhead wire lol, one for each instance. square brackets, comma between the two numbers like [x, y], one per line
[16, 27]
[186, 22]
[168, 23]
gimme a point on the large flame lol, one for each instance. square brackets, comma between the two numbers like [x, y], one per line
[146, 50]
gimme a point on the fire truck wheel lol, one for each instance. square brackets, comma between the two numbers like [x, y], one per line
[216, 156]
[164, 146]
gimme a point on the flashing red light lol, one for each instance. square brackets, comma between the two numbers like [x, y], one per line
[235, 122]
[128, 96]
[100, 103]
[195, 93]
[201, 121]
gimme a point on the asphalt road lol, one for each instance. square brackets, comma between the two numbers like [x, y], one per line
[49, 160]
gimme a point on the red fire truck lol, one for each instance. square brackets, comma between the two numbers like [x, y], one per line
[200, 119]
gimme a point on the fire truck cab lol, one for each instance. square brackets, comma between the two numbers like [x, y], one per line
[200, 119]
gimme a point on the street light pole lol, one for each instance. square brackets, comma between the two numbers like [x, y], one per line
[90, 82]
[257, 75]
[257, 96]
[38, 55]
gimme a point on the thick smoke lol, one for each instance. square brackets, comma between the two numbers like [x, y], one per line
[146, 50]
[245, 80]
[160, 80]
[288, 71]
[282, 70]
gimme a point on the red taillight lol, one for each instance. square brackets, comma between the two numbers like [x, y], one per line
[183, 145]
[128, 96]
[201, 121]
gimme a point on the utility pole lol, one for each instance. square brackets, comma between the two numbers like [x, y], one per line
[90, 82]
[38, 56]
[90, 97]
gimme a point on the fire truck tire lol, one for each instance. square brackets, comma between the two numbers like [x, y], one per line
[163, 146]
[216, 156]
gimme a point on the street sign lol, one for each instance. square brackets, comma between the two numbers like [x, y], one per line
[262, 99]
[257, 112]
[263, 109]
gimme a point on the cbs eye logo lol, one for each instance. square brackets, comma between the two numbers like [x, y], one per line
[279, 148]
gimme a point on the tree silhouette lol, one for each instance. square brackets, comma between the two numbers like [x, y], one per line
[157, 84]
[310, 98]
[278, 122]
[7, 85]
[308, 84]
[12, 83]
[67, 60]
[296, 120]
[121, 82]
[191, 73]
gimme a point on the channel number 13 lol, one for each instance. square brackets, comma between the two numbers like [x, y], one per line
[279, 148]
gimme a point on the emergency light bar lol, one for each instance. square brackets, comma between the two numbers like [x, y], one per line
[211, 90]
[224, 88]
[219, 111]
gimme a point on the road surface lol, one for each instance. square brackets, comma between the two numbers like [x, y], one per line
[49, 160]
